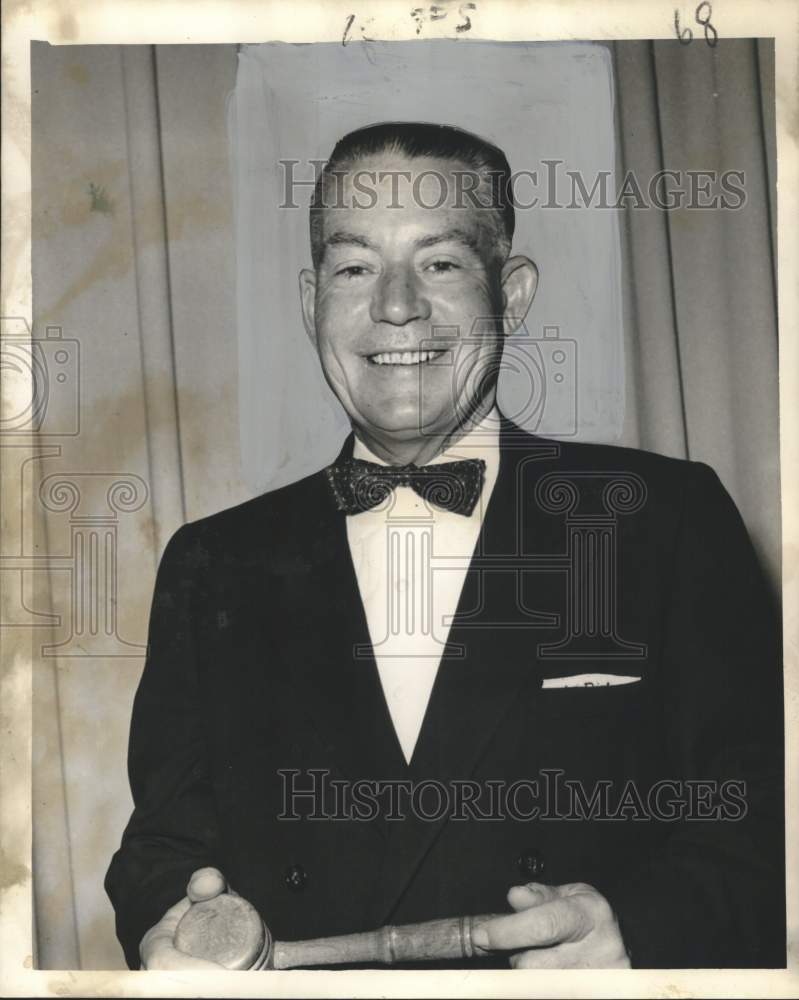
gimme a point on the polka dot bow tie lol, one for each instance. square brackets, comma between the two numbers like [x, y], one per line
[359, 486]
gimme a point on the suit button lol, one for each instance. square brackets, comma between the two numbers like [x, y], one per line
[530, 863]
[296, 877]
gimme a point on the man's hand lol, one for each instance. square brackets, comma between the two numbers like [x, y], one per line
[157, 948]
[564, 927]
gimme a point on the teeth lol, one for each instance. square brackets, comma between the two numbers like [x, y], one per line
[404, 357]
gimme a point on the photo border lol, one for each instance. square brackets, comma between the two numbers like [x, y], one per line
[83, 22]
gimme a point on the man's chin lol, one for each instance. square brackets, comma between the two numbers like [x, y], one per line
[404, 427]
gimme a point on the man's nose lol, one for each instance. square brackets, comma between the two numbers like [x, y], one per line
[398, 298]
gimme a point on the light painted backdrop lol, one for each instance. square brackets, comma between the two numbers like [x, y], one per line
[537, 102]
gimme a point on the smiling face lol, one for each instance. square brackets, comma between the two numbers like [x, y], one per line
[390, 276]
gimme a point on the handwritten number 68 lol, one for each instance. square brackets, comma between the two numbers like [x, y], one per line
[702, 16]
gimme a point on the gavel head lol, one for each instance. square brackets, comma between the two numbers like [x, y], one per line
[227, 930]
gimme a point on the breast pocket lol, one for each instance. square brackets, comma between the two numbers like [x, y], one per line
[597, 732]
[595, 699]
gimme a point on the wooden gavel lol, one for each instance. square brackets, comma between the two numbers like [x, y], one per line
[229, 931]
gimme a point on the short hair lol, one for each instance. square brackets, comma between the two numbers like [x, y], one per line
[418, 139]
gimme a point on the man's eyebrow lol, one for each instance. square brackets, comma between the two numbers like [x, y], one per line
[461, 236]
[343, 238]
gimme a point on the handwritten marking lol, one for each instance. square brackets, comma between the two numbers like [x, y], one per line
[440, 11]
[421, 15]
[702, 16]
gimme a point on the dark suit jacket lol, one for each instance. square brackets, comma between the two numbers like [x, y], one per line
[251, 670]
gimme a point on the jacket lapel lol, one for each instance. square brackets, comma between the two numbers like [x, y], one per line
[332, 668]
[497, 663]
[488, 651]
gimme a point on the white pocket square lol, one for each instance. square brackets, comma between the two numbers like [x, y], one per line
[588, 680]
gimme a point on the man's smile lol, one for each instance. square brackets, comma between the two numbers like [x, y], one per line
[404, 358]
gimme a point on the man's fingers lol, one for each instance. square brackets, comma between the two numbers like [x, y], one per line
[158, 951]
[522, 897]
[164, 957]
[549, 923]
[206, 883]
[170, 920]
[572, 956]
[160, 935]
[542, 958]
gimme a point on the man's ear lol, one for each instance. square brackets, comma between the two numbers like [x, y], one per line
[519, 282]
[308, 301]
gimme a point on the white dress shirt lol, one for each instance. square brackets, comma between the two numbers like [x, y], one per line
[411, 560]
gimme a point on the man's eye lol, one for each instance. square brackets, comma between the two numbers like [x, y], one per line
[443, 266]
[351, 271]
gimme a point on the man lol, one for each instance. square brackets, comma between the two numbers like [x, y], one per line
[571, 641]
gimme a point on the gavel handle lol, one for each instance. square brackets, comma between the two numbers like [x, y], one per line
[434, 940]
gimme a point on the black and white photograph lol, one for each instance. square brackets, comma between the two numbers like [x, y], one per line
[399, 500]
